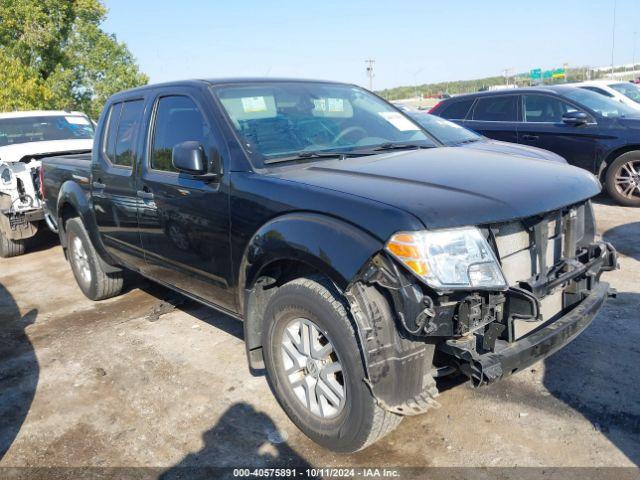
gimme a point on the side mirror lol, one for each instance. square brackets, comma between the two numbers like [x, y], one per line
[575, 118]
[189, 157]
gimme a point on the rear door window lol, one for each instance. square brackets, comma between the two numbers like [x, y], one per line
[456, 110]
[545, 109]
[128, 127]
[497, 109]
[109, 143]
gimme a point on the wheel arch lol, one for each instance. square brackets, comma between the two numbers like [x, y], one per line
[73, 202]
[291, 246]
[611, 157]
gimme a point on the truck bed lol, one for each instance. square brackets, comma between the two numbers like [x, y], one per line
[59, 169]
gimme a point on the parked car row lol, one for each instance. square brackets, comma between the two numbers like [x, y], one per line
[366, 252]
[586, 128]
[595, 134]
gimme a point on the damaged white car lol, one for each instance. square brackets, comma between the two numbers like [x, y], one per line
[25, 138]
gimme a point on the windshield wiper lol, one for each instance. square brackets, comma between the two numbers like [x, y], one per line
[305, 155]
[309, 154]
[400, 146]
[464, 142]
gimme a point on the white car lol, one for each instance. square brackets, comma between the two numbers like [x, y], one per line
[625, 92]
[25, 138]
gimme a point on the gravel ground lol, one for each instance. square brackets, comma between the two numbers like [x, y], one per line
[137, 381]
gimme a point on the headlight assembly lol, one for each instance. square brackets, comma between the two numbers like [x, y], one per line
[5, 175]
[457, 258]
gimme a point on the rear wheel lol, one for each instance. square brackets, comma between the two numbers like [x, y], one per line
[10, 248]
[91, 277]
[623, 179]
[315, 368]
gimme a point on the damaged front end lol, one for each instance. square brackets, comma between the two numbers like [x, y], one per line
[551, 265]
[20, 199]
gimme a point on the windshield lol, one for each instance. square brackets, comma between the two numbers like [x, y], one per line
[599, 103]
[446, 132]
[629, 90]
[284, 119]
[44, 128]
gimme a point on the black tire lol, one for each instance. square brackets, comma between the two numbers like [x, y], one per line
[10, 248]
[618, 168]
[94, 282]
[361, 421]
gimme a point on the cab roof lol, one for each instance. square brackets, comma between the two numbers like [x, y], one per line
[225, 81]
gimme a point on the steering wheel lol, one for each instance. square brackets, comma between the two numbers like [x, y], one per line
[348, 131]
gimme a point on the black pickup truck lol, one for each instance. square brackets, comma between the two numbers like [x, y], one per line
[364, 257]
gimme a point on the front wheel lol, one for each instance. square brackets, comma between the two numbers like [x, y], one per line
[315, 368]
[623, 179]
[90, 275]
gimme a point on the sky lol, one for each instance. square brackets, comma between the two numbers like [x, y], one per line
[412, 41]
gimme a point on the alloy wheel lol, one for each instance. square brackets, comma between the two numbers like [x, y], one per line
[81, 260]
[313, 368]
[627, 179]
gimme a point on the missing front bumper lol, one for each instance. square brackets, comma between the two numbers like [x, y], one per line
[509, 357]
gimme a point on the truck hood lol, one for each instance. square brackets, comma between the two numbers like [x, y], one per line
[16, 152]
[497, 146]
[450, 187]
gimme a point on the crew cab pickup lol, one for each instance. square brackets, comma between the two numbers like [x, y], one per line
[26, 137]
[364, 257]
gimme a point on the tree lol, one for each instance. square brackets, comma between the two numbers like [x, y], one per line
[59, 57]
[20, 86]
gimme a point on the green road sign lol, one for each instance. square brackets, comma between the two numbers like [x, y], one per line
[535, 74]
[559, 73]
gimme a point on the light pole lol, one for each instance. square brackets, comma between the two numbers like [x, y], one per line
[633, 61]
[370, 73]
[613, 34]
[415, 81]
[507, 75]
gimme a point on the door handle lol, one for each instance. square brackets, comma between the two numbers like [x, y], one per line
[530, 137]
[99, 185]
[145, 195]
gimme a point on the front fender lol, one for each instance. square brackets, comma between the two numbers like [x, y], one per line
[336, 248]
[72, 195]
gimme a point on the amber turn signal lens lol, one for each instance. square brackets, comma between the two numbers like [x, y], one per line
[419, 267]
[402, 250]
[405, 247]
[403, 237]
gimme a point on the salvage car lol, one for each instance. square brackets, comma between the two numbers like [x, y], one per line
[589, 130]
[26, 137]
[364, 257]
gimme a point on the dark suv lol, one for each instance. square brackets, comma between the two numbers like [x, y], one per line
[587, 129]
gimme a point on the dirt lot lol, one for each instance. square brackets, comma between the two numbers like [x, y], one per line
[115, 384]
